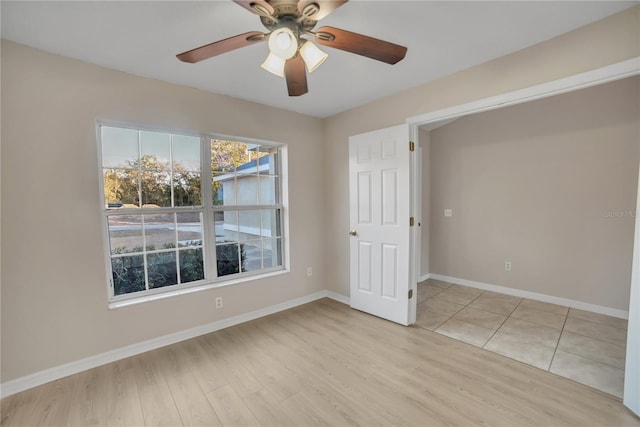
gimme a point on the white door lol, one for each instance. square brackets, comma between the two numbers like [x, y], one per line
[380, 211]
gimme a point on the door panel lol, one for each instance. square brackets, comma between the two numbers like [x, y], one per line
[380, 207]
[364, 266]
[390, 197]
[364, 198]
[390, 271]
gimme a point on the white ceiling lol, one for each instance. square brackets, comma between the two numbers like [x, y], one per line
[143, 37]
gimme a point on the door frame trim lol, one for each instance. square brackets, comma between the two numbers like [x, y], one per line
[609, 73]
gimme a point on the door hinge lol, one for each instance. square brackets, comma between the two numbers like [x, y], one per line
[410, 293]
[411, 222]
[412, 146]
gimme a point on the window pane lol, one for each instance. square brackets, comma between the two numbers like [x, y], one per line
[156, 189]
[252, 161]
[262, 152]
[186, 188]
[224, 190]
[226, 156]
[271, 223]
[249, 225]
[247, 189]
[189, 229]
[128, 274]
[121, 188]
[226, 224]
[228, 259]
[253, 255]
[272, 252]
[268, 190]
[218, 222]
[154, 147]
[125, 233]
[161, 269]
[186, 153]
[191, 265]
[160, 231]
[221, 158]
[119, 147]
[269, 161]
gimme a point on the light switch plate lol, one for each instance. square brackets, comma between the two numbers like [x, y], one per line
[448, 212]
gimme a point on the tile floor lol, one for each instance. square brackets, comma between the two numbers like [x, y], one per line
[583, 346]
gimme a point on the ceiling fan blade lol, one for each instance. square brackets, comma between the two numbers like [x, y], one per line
[321, 9]
[222, 46]
[296, 76]
[361, 45]
[259, 7]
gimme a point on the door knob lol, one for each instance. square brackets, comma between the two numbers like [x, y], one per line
[353, 233]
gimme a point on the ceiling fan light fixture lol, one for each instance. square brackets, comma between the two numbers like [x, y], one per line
[274, 64]
[283, 43]
[312, 55]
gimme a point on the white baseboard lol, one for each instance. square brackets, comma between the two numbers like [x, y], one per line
[42, 377]
[33, 380]
[425, 277]
[338, 297]
[614, 312]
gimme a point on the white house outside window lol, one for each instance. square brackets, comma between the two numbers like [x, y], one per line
[167, 230]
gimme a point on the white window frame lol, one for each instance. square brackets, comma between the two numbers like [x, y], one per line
[211, 280]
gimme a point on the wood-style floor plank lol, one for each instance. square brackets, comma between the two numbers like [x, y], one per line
[158, 406]
[192, 404]
[317, 364]
[122, 394]
[203, 364]
[54, 403]
[230, 408]
[90, 398]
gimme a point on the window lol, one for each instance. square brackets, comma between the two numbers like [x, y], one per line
[183, 210]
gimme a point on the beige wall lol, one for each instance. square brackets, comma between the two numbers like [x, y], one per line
[549, 186]
[602, 43]
[54, 295]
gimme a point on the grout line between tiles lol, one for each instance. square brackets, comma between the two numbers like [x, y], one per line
[598, 323]
[582, 356]
[450, 317]
[597, 339]
[558, 343]
[562, 330]
[540, 311]
[503, 322]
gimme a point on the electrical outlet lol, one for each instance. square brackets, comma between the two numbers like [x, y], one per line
[309, 271]
[507, 266]
[219, 302]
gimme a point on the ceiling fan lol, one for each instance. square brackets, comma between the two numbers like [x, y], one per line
[289, 53]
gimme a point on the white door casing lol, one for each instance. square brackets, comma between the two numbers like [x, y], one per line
[379, 211]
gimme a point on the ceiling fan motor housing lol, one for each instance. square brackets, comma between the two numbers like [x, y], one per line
[287, 14]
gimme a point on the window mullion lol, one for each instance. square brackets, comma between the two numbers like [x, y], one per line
[140, 203]
[246, 207]
[208, 222]
[176, 249]
[144, 253]
[171, 174]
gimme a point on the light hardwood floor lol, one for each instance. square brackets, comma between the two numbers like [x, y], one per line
[317, 364]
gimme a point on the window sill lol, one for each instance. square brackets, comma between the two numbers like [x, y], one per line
[113, 305]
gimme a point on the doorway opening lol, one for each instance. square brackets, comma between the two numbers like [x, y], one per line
[434, 120]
